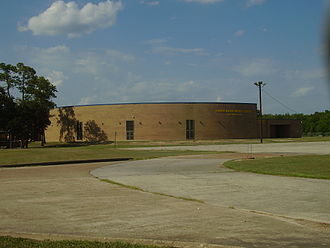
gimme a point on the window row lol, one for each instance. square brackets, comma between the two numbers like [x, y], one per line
[190, 130]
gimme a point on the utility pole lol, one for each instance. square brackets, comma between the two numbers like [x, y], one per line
[260, 84]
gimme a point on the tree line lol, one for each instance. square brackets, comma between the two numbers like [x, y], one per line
[312, 124]
[25, 101]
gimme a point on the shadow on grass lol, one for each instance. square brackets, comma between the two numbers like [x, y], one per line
[71, 144]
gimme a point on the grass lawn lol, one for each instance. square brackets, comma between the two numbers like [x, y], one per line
[49, 154]
[10, 242]
[79, 151]
[310, 166]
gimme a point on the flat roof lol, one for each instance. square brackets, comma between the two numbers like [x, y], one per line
[111, 104]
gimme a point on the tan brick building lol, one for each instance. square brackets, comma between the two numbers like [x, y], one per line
[154, 121]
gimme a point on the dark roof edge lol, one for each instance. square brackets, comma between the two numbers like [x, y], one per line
[138, 103]
[293, 119]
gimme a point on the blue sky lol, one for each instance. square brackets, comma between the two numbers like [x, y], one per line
[99, 51]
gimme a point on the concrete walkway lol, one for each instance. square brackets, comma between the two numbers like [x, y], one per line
[208, 180]
[294, 147]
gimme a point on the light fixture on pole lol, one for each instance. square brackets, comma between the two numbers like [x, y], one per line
[259, 85]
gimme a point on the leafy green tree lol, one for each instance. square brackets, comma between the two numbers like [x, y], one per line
[24, 79]
[25, 117]
[7, 109]
[7, 73]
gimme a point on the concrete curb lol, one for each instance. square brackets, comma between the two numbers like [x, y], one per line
[85, 161]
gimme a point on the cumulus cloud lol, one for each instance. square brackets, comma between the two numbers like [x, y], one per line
[251, 3]
[68, 19]
[202, 1]
[60, 49]
[56, 77]
[302, 91]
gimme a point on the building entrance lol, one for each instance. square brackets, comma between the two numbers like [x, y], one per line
[190, 129]
[130, 130]
[279, 131]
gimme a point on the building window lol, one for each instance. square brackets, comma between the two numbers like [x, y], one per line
[190, 129]
[79, 130]
[130, 130]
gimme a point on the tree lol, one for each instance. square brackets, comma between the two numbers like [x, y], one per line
[25, 117]
[7, 109]
[24, 79]
[7, 73]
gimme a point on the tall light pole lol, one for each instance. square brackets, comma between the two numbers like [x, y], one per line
[260, 84]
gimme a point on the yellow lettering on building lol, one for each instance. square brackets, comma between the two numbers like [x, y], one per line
[233, 111]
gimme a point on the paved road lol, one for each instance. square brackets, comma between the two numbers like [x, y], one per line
[208, 180]
[294, 147]
[59, 202]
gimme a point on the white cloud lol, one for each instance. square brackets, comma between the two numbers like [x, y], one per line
[239, 33]
[302, 91]
[203, 1]
[56, 77]
[151, 3]
[57, 49]
[66, 18]
[175, 51]
[251, 3]
[256, 67]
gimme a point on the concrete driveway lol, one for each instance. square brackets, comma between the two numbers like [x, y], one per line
[239, 209]
[294, 147]
[209, 181]
[66, 202]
